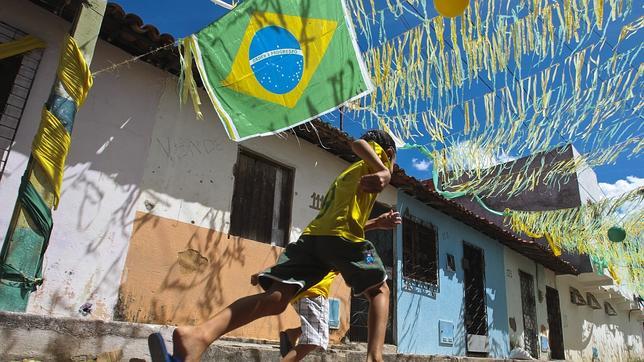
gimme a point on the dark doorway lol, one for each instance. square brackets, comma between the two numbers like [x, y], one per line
[529, 307]
[383, 240]
[474, 284]
[9, 68]
[555, 336]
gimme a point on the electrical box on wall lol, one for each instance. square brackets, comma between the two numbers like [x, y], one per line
[334, 313]
[446, 332]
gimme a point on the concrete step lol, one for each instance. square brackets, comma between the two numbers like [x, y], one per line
[43, 338]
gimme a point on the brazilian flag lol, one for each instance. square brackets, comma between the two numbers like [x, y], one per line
[270, 65]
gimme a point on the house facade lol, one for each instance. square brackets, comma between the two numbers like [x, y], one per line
[451, 286]
[585, 315]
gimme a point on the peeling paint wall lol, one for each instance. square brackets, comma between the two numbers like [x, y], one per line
[188, 174]
[110, 141]
[190, 273]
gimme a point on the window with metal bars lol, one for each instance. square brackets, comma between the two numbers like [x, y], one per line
[16, 77]
[262, 198]
[420, 251]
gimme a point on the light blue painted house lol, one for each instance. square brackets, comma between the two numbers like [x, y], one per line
[451, 285]
[449, 282]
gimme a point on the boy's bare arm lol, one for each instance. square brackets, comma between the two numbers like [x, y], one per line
[386, 221]
[374, 182]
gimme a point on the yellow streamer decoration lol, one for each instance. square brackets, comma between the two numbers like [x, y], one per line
[613, 273]
[518, 225]
[189, 84]
[51, 144]
[556, 249]
[591, 97]
[20, 46]
[584, 230]
[50, 148]
[73, 72]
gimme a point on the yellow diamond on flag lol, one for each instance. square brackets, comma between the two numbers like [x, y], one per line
[278, 56]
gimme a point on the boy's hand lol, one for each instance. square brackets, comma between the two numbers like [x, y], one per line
[375, 182]
[254, 279]
[388, 220]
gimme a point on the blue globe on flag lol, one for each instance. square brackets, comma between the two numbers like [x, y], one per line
[276, 59]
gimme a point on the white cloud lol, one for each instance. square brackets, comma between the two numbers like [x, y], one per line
[421, 165]
[621, 187]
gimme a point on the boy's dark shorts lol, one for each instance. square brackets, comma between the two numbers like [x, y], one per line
[307, 261]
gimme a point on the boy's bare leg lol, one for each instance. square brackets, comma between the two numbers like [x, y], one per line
[299, 352]
[191, 342]
[377, 324]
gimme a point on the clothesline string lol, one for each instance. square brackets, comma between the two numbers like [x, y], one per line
[133, 59]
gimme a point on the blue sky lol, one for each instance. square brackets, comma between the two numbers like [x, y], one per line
[181, 18]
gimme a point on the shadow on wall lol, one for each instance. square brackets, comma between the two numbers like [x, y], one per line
[191, 272]
[605, 338]
[424, 308]
[497, 347]
[418, 317]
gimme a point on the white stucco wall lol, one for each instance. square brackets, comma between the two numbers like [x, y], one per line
[134, 146]
[589, 190]
[542, 277]
[188, 174]
[615, 338]
[110, 140]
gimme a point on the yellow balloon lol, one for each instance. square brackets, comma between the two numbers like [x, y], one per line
[451, 8]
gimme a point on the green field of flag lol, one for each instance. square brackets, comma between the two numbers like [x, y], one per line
[270, 65]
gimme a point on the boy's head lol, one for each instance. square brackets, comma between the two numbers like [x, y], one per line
[384, 140]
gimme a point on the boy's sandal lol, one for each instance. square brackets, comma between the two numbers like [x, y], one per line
[285, 344]
[158, 351]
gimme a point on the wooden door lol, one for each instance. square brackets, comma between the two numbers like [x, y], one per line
[555, 336]
[529, 307]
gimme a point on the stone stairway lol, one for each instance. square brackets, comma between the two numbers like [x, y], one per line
[28, 337]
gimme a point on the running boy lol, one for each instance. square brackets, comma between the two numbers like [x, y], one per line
[312, 306]
[334, 240]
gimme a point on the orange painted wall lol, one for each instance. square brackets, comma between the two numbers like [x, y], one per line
[177, 273]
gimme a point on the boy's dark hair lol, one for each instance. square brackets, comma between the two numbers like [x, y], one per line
[382, 138]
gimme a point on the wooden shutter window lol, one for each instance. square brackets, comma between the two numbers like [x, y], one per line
[262, 196]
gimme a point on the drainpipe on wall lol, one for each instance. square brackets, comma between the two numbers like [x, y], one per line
[28, 234]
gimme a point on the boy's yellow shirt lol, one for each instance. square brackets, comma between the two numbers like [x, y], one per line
[344, 213]
[346, 207]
